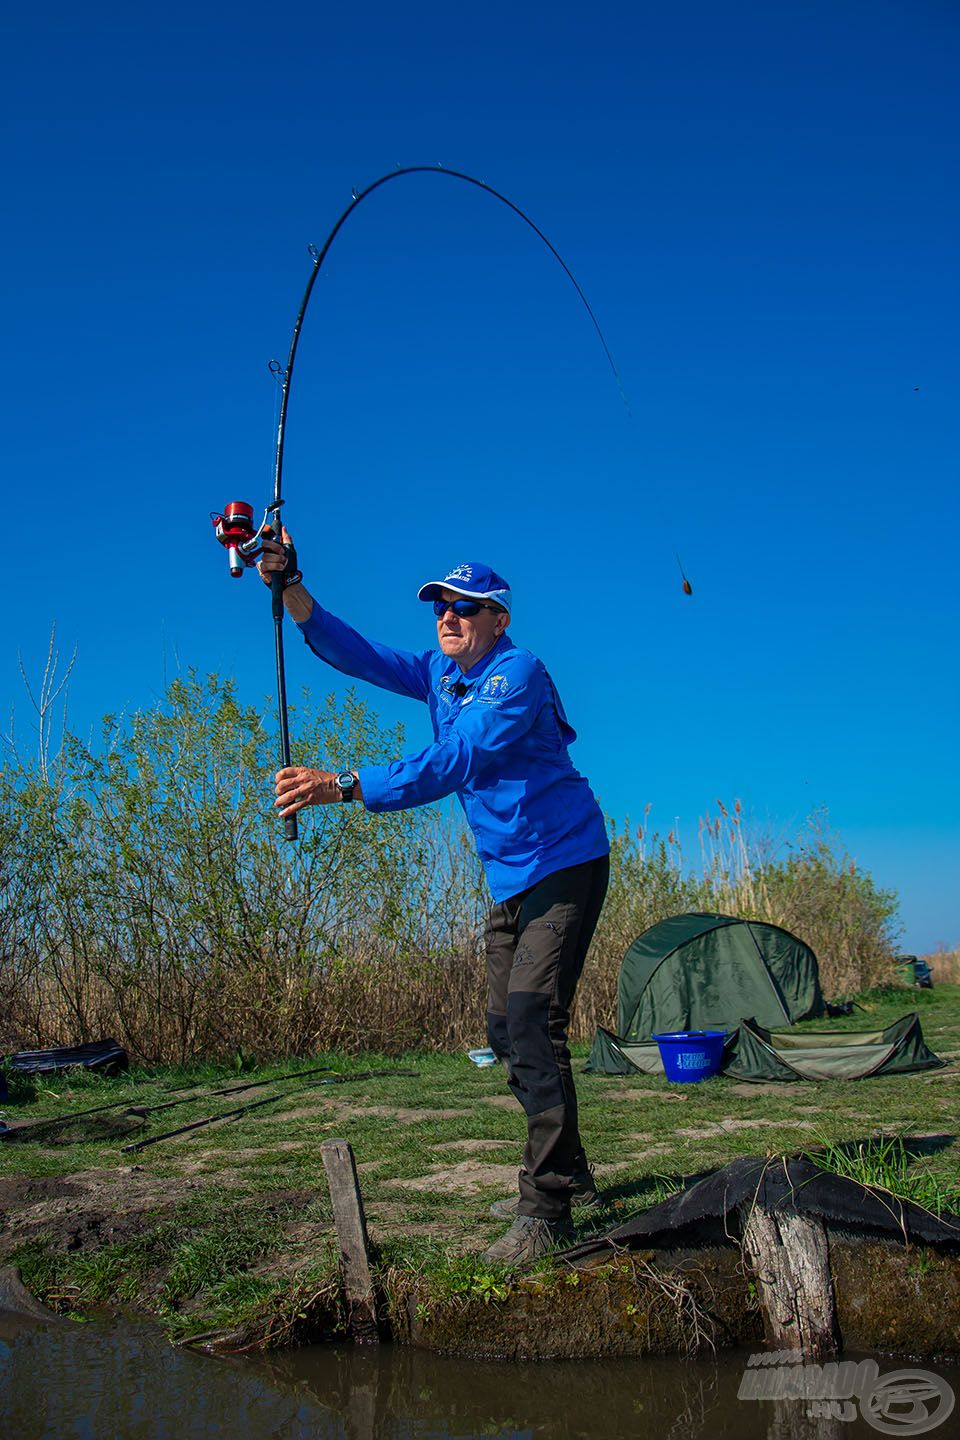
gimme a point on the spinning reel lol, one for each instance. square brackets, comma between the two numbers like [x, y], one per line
[234, 529]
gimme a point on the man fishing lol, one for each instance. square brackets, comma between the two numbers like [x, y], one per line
[500, 745]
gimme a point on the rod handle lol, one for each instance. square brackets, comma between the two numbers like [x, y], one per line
[290, 827]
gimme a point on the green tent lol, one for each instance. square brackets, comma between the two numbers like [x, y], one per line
[755, 1053]
[702, 972]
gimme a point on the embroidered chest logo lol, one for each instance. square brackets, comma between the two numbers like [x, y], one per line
[494, 688]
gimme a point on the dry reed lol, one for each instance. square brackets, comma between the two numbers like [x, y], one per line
[945, 965]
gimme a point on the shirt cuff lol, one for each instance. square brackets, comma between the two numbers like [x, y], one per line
[378, 793]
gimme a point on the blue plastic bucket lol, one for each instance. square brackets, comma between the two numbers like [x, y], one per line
[691, 1055]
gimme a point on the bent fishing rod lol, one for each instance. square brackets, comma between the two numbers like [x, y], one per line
[235, 526]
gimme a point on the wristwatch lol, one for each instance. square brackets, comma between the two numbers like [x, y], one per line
[346, 782]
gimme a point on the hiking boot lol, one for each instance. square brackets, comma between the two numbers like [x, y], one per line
[528, 1238]
[583, 1196]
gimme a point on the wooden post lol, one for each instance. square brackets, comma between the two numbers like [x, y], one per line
[351, 1228]
[791, 1267]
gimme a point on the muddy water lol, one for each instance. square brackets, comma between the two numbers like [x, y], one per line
[120, 1380]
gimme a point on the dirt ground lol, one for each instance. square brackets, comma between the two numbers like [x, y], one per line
[95, 1208]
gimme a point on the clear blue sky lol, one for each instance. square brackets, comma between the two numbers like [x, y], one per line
[761, 202]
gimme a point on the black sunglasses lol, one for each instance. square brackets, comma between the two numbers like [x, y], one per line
[463, 608]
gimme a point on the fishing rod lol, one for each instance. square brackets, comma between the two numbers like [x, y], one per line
[256, 1105]
[199, 1124]
[363, 1075]
[231, 1090]
[142, 1110]
[234, 527]
[7, 1133]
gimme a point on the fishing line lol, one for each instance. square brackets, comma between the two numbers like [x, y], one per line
[318, 256]
[284, 374]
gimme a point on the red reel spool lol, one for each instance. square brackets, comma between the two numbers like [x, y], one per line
[234, 528]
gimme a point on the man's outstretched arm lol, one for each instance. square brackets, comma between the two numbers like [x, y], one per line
[405, 672]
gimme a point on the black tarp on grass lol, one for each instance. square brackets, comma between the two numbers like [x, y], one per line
[107, 1057]
[706, 1212]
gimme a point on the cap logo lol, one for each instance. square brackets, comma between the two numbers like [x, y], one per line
[462, 572]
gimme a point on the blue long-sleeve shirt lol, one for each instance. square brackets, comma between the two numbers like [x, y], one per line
[500, 744]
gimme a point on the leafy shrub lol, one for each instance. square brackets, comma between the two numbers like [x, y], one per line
[146, 893]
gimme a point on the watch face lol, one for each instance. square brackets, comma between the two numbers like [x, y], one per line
[345, 780]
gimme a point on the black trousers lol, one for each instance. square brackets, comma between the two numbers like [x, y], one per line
[536, 944]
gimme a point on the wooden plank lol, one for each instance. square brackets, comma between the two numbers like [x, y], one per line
[791, 1267]
[351, 1227]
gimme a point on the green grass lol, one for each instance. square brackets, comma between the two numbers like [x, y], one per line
[231, 1225]
[885, 1163]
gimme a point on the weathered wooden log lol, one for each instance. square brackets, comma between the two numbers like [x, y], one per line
[351, 1227]
[15, 1298]
[790, 1259]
